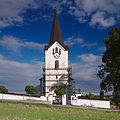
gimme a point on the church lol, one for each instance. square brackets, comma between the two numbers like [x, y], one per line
[56, 70]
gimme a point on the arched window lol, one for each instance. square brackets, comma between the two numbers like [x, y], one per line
[56, 64]
[53, 51]
[56, 76]
[56, 50]
[59, 51]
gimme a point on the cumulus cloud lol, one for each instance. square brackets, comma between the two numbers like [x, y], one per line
[15, 44]
[11, 11]
[104, 13]
[70, 41]
[100, 19]
[84, 72]
[15, 75]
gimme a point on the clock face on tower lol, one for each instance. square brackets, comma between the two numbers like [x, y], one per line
[56, 52]
[56, 55]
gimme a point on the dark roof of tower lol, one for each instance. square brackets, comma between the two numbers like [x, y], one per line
[56, 34]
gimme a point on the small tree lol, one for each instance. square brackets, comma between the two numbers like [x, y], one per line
[101, 94]
[59, 92]
[91, 95]
[30, 89]
[3, 89]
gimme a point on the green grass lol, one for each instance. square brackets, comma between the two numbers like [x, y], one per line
[29, 111]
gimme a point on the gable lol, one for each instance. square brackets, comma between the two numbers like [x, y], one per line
[56, 44]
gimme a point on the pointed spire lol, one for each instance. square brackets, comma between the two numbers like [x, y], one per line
[56, 34]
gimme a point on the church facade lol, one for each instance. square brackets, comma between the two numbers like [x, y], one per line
[56, 71]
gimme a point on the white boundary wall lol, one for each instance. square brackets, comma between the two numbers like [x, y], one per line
[20, 97]
[90, 103]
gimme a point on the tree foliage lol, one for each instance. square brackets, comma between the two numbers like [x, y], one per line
[101, 94]
[109, 71]
[116, 98]
[59, 92]
[30, 89]
[91, 95]
[3, 89]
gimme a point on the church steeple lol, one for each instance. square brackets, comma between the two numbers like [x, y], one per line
[56, 34]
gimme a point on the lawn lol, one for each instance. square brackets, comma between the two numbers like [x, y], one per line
[28, 111]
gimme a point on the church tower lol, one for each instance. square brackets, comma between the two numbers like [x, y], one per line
[56, 71]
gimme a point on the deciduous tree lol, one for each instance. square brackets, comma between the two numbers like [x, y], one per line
[3, 89]
[109, 71]
[30, 89]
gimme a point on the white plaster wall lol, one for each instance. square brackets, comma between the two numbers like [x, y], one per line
[50, 63]
[94, 103]
[50, 60]
[20, 97]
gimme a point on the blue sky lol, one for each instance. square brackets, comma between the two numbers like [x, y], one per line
[25, 27]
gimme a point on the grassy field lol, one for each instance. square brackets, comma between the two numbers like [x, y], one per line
[28, 111]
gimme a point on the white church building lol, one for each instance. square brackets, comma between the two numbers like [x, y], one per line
[56, 70]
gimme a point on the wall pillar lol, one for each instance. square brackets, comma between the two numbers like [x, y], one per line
[63, 99]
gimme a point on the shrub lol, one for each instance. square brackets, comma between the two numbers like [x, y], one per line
[91, 95]
[30, 89]
[59, 92]
[3, 89]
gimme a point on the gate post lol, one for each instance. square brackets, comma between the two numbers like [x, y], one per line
[50, 99]
[64, 99]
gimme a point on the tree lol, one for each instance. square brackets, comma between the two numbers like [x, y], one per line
[59, 92]
[30, 89]
[116, 98]
[91, 95]
[101, 94]
[3, 89]
[109, 71]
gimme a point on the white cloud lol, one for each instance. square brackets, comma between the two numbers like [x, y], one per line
[100, 19]
[89, 58]
[11, 11]
[1, 57]
[59, 4]
[89, 45]
[11, 43]
[70, 41]
[14, 44]
[84, 72]
[15, 75]
[84, 9]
